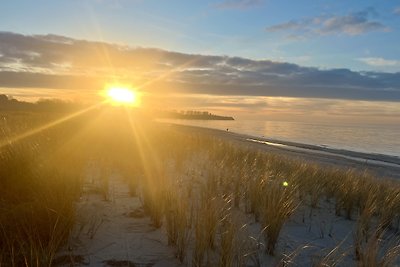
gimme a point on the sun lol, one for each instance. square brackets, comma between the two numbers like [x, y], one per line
[122, 96]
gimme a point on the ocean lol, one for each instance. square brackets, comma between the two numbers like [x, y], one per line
[372, 139]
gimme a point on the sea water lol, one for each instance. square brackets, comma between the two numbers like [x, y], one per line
[373, 139]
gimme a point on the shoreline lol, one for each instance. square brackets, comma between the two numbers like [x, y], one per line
[379, 164]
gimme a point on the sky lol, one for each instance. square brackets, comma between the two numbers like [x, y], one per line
[299, 59]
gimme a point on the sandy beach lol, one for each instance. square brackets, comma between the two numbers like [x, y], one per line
[377, 164]
[229, 133]
[175, 195]
[114, 230]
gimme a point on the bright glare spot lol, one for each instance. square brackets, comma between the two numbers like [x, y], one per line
[121, 95]
[285, 183]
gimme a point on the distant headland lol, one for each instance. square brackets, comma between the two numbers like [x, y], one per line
[194, 115]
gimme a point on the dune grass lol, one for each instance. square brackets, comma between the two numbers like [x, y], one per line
[204, 191]
[39, 180]
[271, 187]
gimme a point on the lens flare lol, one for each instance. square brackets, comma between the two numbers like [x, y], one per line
[121, 95]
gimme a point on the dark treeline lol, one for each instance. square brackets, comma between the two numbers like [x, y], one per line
[193, 115]
[8, 103]
[55, 105]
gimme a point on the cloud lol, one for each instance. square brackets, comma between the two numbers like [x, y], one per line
[57, 62]
[239, 4]
[352, 24]
[379, 62]
[286, 26]
[397, 10]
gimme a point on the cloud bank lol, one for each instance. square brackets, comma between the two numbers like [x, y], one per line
[58, 62]
[352, 24]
